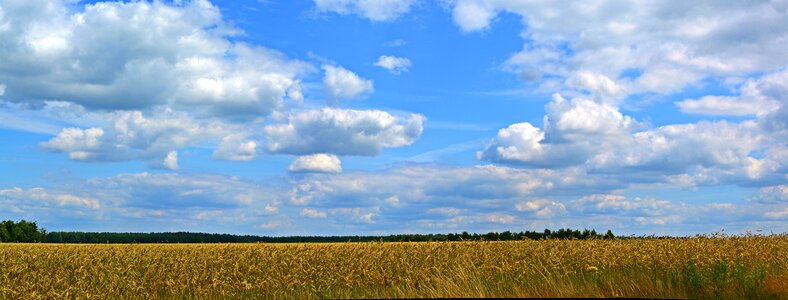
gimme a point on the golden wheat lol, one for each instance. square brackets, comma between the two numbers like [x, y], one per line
[731, 267]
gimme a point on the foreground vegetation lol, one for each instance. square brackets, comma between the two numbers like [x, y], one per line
[701, 267]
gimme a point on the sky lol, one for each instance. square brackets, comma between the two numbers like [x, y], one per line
[364, 117]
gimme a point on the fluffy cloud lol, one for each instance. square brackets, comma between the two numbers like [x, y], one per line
[541, 207]
[312, 213]
[598, 85]
[756, 97]
[581, 132]
[358, 214]
[473, 15]
[124, 55]
[320, 162]
[340, 83]
[376, 10]
[171, 161]
[132, 135]
[641, 47]
[773, 194]
[395, 65]
[574, 130]
[41, 196]
[343, 132]
[236, 147]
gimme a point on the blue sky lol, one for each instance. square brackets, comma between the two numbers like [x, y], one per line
[334, 117]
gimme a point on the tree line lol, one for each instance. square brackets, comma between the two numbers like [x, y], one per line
[29, 232]
[191, 237]
[21, 232]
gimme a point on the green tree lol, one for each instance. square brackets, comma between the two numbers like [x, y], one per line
[5, 236]
[609, 235]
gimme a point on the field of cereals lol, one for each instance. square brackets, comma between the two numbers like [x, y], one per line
[731, 267]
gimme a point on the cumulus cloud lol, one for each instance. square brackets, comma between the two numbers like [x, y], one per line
[581, 132]
[473, 15]
[573, 131]
[120, 55]
[132, 135]
[395, 65]
[321, 162]
[667, 50]
[343, 132]
[375, 10]
[171, 160]
[756, 97]
[598, 85]
[236, 147]
[341, 83]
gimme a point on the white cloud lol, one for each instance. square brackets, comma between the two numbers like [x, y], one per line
[236, 147]
[312, 213]
[772, 194]
[395, 65]
[43, 196]
[500, 218]
[121, 55]
[272, 225]
[448, 211]
[473, 15]
[320, 162]
[171, 160]
[358, 214]
[757, 97]
[340, 83]
[541, 207]
[2, 89]
[574, 130]
[780, 214]
[343, 132]
[132, 135]
[597, 136]
[720, 105]
[76, 142]
[646, 47]
[375, 10]
[420, 185]
[598, 85]
[477, 198]
[172, 191]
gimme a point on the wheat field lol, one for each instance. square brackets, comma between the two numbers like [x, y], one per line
[701, 267]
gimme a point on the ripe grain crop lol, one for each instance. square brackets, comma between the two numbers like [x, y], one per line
[701, 267]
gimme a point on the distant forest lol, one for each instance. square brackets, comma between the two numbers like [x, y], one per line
[28, 232]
